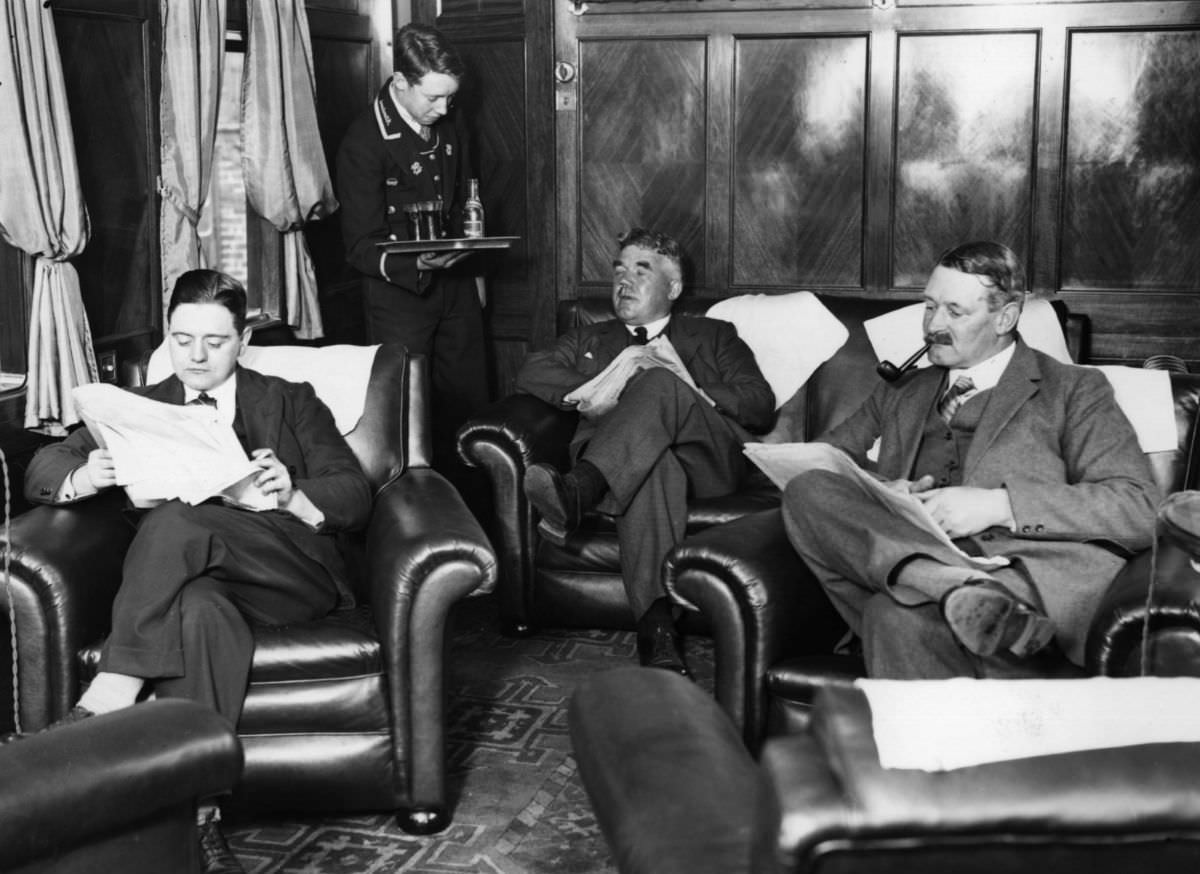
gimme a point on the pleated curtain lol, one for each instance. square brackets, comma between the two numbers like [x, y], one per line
[193, 54]
[42, 211]
[283, 162]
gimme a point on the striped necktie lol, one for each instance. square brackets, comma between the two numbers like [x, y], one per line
[955, 397]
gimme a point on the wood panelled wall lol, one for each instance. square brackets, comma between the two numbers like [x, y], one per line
[840, 145]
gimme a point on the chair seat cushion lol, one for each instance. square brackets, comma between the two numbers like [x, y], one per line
[342, 644]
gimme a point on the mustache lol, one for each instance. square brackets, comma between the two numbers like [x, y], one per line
[939, 338]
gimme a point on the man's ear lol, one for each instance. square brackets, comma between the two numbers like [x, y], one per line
[676, 289]
[1009, 315]
[247, 333]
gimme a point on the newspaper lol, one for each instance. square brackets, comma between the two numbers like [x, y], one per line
[600, 394]
[783, 461]
[163, 451]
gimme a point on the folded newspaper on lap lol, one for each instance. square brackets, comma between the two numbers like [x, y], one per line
[783, 461]
[165, 451]
[600, 393]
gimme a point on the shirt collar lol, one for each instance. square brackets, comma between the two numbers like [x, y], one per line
[653, 329]
[417, 128]
[986, 373]
[224, 394]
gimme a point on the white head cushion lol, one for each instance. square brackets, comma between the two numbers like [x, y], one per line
[338, 374]
[791, 335]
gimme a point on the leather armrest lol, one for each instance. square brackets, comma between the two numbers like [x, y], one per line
[762, 603]
[64, 787]
[520, 427]
[1114, 646]
[504, 440]
[66, 569]
[833, 791]
[425, 552]
[672, 786]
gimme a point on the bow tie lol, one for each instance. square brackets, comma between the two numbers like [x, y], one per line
[203, 398]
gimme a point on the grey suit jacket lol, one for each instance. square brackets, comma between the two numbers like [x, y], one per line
[1082, 492]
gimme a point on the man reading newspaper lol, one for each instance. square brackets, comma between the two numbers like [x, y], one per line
[196, 576]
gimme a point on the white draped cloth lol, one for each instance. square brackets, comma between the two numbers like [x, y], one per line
[283, 161]
[193, 54]
[42, 211]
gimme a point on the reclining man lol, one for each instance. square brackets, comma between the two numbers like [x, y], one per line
[1013, 454]
[674, 430]
[196, 576]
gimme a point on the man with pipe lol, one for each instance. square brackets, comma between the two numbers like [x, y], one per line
[1013, 454]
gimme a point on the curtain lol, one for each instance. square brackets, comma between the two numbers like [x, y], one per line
[283, 162]
[193, 54]
[42, 211]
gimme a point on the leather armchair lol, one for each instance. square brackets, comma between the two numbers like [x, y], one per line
[345, 713]
[115, 792]
[675, 790]
[774, 629]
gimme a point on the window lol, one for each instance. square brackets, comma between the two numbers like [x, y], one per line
[235, 240]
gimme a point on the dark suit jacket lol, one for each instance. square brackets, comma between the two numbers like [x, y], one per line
[286, 417]
[718, 360]
[382, 166]
[1081, 488]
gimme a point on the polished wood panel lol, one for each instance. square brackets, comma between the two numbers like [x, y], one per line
[964, 146]
[346, 65]
[1132, 202]
[642, 141]
[108, 63]
[798, 161]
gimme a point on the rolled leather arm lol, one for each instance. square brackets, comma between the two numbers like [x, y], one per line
[1114, 646]
[762, 603]
[65, 571]
[95, 778]
[672, 786]
[504, 440]
[1100, 804]
[425, 552]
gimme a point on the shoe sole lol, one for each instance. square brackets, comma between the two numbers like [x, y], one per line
[986, 621]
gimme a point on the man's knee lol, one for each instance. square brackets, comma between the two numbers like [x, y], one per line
[654, 383]
[804, 495]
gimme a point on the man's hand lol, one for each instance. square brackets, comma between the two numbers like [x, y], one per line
[908, 486]
[100, 469]
[961, 511]
[440, 260]
[274, 479]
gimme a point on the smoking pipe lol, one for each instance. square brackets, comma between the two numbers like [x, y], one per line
[889, 372]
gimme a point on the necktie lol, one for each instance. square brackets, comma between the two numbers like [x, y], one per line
[640, 337]
[955, 397]
[203, 398]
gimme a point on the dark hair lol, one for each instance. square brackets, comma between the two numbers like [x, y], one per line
[995, 263]
[421, 49]
[653, 241]
[210, 286]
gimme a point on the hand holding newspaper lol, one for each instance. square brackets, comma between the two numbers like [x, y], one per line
[165, 451]
[783, 461]
[600, 394]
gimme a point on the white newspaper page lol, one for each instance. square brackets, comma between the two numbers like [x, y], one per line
[783, 461]
[166, 451]
[600, 394]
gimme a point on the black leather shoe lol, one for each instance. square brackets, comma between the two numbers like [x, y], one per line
[215, 855]
[987, 618]
[660, 646]
[556, 498]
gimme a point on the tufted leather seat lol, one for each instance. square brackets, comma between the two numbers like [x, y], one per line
[344, 713]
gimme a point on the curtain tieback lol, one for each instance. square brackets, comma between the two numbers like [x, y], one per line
[175, 198]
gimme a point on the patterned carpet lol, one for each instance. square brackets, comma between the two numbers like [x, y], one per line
[520, 807]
